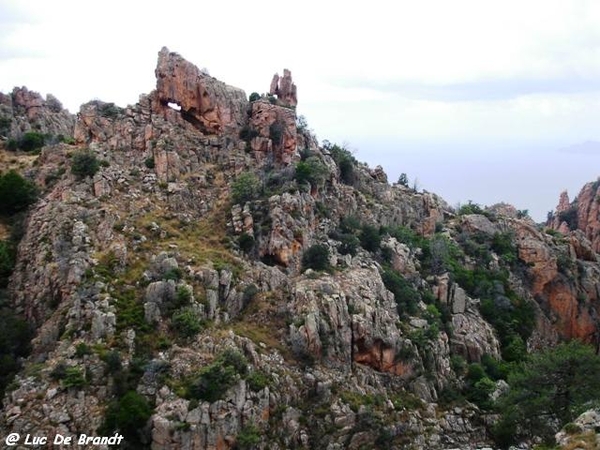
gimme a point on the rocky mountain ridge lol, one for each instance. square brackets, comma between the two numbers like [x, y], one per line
[239, 286]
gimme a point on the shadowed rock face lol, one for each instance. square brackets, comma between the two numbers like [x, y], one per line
[211, 105]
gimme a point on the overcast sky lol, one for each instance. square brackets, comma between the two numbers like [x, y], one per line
[478, 100]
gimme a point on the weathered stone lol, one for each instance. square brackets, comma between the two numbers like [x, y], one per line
[277, 135]
[211, 105]
[284, 88]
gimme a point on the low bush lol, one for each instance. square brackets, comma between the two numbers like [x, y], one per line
[109, 110]
[257, 381]
[7, 262]
[14, 346]
[316, 257]
[16, 193]
[246, 242]
[248, 437]
[74, 377]
[128, 415]
[31, 141]
[245, 188]
[276, 131]
[84, 164]
[344, 160]
[370, 239]
[213, 381]
[186, 322]
[406, 296]
[312, 171]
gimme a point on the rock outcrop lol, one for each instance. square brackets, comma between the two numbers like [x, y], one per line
[581, 214]
[284, 89]
[24, 110]
[211, 105]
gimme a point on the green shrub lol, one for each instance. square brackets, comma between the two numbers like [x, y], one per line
[186, 322]
[570, 217]
[7, 262]
[129, 416]
[74, 377]
[257, 381]
[149, 162]
[173, 274]
[183, 295]
[109, 110]
[276, 131]
[479, 393]
[312, 171]
[68, 140]
[254, 96]
[16, 193]
[113, 361]
[572, 428]
[496, 370]
[248, 437]
[59, 371]
[246, 242]
[31, 141]
[471, 208]
[349, 243]
[214, 380]
[504, 246]
[403, 180]
[247, 133]
[84, 164]
[82, 349]
[245, 188]
[345, 162]
[370, 239]
[5, 124]
[250, 292]
[349, 224]
[316, 257]
[548, 390]
[458, 364]
[15, 341]
[406, 296]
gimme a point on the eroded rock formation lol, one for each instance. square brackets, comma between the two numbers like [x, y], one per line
[213, 106]
[284, 89]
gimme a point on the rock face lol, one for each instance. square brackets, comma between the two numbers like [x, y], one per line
[275, 126]
[284, 89]
[24, 110]
[211, 105]
[581, 214]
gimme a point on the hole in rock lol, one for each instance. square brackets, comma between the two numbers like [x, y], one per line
[174, 106]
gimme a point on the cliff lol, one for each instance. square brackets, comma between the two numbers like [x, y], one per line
[228, 282]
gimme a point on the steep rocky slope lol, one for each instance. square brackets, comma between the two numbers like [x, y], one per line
[182, 283]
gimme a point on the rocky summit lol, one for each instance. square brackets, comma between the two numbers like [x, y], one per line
[196, 271]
